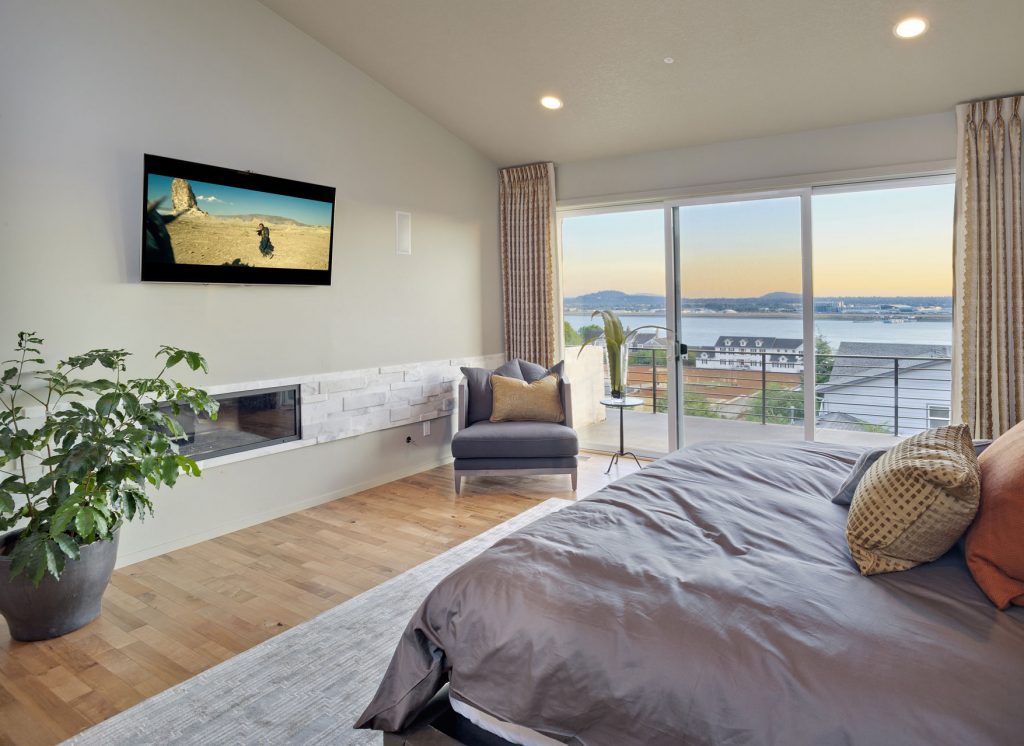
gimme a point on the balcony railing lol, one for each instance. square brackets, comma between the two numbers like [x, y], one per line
[894, 395]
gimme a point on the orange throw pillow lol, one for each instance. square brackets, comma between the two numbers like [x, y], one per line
[995, 541]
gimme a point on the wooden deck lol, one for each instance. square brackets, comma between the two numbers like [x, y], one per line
[647, 433]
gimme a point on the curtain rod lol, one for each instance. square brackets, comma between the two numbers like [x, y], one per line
[990, 98]
[524, 165]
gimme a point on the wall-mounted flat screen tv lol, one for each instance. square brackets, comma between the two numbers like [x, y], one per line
[209, 224]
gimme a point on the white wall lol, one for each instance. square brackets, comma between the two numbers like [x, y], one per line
[926, 141]
[88, 87]
[585, 369]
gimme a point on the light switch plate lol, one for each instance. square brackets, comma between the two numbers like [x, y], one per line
[403, 233]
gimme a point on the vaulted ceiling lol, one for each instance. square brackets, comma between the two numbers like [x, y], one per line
[741, 68]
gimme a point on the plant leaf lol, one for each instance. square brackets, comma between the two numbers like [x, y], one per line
[195, 361]
[67, 545]
[108, 403]
[64, 516]
[21, 555]
[37, 568]
[101, 523]
[54, 560]
[62, 489]
[85, 524]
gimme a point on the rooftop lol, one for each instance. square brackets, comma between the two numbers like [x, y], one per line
[859, 361]
[755, 342]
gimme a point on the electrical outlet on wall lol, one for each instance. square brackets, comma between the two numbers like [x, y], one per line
[426, 428]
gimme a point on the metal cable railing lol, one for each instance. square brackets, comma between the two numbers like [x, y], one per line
[896, 395]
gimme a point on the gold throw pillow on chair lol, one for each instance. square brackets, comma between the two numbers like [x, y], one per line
[519, 401]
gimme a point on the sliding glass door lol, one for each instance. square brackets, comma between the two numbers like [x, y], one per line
[740, 312]
[814, 313]
[615, 260]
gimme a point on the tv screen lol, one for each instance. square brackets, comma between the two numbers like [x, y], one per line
[209, 224]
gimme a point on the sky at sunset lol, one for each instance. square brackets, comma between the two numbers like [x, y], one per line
[882, 242]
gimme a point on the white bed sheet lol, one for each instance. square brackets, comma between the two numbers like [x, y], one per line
[511, 732]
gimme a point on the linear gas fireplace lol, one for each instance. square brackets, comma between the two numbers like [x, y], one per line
[247, 420]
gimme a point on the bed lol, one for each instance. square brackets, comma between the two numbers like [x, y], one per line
[710, 599]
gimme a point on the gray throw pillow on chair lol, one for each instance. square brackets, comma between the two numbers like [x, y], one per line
[478, 386]
[533, 372]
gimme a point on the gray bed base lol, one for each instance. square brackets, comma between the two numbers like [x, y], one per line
[439, 725]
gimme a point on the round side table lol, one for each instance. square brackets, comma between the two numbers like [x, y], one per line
[627, 402]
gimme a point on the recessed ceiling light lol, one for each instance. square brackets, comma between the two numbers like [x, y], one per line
[551, 102]
[908, 28]
[669, 60]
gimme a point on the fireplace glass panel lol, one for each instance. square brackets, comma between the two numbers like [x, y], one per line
[246, 420]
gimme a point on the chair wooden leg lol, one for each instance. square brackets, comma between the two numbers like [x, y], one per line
[573, 475]
[458, 483]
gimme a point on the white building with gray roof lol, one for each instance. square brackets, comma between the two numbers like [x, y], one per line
[897, 388]
[776, 354]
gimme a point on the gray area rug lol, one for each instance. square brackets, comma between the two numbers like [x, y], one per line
[308, 684]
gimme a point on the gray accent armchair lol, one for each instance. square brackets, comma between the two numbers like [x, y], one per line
[486, 448]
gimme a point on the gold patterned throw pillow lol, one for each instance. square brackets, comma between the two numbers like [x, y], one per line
[516, 400]
[915, 501]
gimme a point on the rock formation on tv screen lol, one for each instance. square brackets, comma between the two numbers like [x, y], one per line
[183, 198]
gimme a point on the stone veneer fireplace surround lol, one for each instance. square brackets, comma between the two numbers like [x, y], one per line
[348, 403]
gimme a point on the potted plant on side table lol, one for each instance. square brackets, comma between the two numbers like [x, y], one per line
[76, 458]
[616, 339]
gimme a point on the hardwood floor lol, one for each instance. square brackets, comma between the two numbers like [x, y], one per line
[168, 618]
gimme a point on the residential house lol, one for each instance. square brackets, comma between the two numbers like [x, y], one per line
[649, 341]
[895, 388]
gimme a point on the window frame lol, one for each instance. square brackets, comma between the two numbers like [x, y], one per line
[929, 417]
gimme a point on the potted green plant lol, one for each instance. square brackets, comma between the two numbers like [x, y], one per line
[77, 456]
[616, 340]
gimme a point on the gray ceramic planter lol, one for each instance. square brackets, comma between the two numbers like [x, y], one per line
[56, 607]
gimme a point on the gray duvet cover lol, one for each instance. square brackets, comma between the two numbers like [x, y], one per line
[711, 599]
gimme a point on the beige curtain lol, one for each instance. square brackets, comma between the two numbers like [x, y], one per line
[988, 346]
[527, 233]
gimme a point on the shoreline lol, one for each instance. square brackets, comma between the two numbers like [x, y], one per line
[867, 317]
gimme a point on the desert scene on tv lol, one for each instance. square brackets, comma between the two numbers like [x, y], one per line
[195, 222]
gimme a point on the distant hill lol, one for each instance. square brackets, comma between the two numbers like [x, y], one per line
[616, 299]
[781, 297]
[619, 299]
[276, 219]
[774, 302]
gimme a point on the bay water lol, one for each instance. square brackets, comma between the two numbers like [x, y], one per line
[704, 331]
